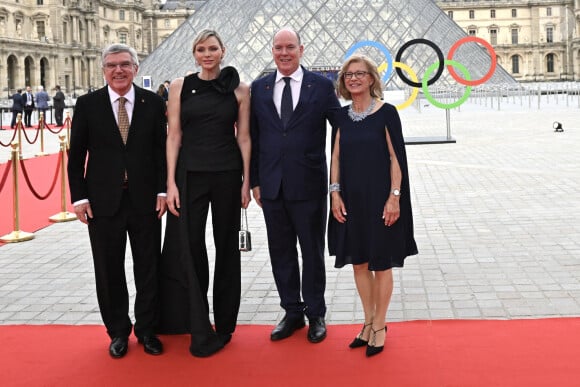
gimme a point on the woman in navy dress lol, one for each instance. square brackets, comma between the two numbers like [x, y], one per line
[371, 226]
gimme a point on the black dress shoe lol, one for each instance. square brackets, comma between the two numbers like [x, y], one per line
[118, 347]
[225, 337]
[151, 344]
[286, 327]
[212, 345]
[316, 330]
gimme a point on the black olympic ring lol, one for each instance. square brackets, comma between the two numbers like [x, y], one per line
[439, 56]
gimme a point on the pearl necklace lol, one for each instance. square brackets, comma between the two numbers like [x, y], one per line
[356, 116]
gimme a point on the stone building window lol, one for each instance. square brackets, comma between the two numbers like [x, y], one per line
[514, 12]
[550, 35]
[514, 36]
[40, 29]
[493, 36]
[550, 63]
[492, 13]
[122, 14]
[549, 11]
[450, 14]
[515, 64]
[123, 38]
[471, 14]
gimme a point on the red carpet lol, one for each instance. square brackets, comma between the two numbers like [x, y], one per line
[543, 352]
[34, 213]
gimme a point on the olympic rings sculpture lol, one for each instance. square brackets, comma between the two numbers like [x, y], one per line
[439, 65]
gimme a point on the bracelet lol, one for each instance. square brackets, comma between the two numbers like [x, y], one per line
[334, 187]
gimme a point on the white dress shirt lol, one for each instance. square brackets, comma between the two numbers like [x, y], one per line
[295, 85]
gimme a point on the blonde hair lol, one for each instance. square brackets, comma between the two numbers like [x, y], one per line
[206, 34]
[376, 88]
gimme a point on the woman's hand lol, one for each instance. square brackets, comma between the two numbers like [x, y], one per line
[246, 197]
[391, 211]
[338, 209]
[173, 204]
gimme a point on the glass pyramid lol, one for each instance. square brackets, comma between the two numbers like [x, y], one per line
[329, 29]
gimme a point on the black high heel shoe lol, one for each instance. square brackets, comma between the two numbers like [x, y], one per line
[358, 341]
[373, 350]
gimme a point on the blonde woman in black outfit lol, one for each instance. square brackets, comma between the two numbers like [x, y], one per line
[208, 156]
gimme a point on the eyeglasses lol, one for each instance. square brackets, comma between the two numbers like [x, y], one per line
[123, 66]
[357, 74]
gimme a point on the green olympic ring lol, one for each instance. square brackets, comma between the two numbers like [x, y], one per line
[425, 87]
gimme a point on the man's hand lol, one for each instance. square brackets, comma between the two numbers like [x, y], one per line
[257, 195]
[84, 212]
[161, 206]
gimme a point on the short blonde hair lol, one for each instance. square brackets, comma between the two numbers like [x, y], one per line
[376, 88]
[206, 34]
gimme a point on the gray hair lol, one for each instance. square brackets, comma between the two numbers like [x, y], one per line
[116, 48]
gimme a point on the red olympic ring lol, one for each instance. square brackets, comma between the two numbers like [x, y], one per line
[491, 54]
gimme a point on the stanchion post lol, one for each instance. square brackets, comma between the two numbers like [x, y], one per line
[41, 128]
[63, 215]
[67, 130]
[16, 235]
[19, 128]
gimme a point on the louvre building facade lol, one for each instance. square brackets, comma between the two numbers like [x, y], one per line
[50, 42]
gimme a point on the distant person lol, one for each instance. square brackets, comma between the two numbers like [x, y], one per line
[42, 99]
[117, 178]
[166, 92]
[17, 106]
[290, 108]
[372, 223]
[28, 106]
[162, 92]
[58, 102]
[208, 163]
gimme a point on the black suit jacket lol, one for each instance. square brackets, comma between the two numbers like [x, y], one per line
[25, 98]
[291, 157]
[95, 138]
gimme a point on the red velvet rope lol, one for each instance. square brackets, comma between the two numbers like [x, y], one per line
[3, 181]
[35, 138]
[54, 131]
[36, 194]
[9, 142]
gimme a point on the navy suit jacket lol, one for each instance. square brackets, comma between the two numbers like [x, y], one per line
[17, 102]
[291, 158]
[94, 133]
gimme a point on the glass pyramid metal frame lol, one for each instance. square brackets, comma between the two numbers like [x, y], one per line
[328, 28]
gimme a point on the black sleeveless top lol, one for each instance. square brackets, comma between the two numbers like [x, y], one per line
[209, 111]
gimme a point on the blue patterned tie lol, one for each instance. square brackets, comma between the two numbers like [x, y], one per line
[286, 107]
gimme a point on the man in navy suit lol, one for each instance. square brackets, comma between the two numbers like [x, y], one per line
[289, 180]
[120, 190]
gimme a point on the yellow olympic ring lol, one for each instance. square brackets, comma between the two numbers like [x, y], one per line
[414, 78]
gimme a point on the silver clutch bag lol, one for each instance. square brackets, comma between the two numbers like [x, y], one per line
[244, 235]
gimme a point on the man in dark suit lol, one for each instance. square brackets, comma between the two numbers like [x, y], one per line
[17, 106]
[28, 98]
[121, 191]
[289, 180]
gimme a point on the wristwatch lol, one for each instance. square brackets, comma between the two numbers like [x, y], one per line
[396, 192]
